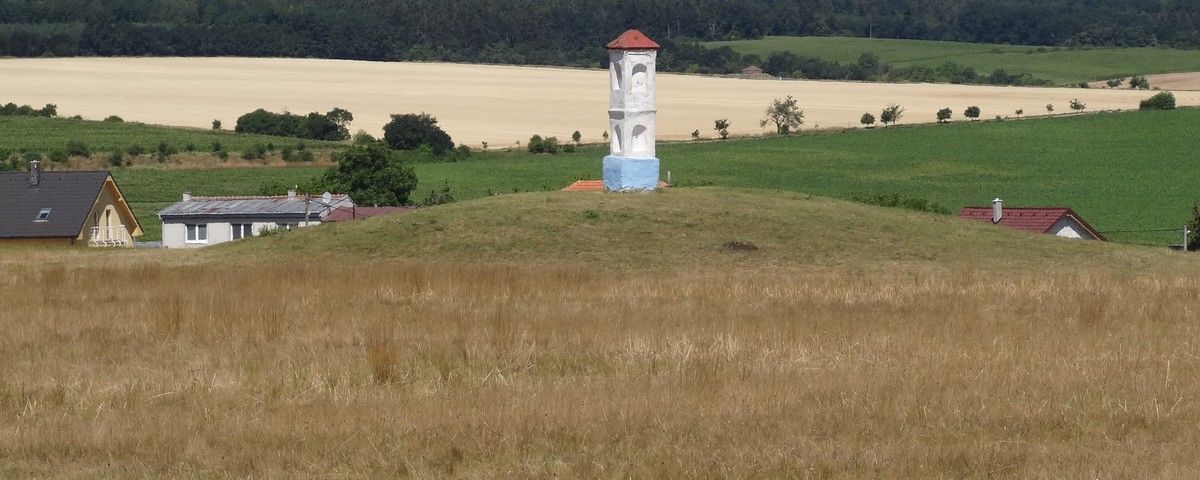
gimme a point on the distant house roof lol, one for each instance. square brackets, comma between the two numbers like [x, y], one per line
[1032, 219]
[69, 197]
[752, 70]
[597, 186]
[633, 40]
[343, 214]
[283, 206]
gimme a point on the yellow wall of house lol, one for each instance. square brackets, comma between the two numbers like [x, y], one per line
[107, 199]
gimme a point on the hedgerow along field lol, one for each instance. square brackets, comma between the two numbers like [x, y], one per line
[42, 135]
[490, 339]
[1057, 64]
[1123, 172]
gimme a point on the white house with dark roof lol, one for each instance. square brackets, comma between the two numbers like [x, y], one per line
[202, 221]
[64, 208]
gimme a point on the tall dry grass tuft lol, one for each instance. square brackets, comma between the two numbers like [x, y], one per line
[381, 353]
[434, 370]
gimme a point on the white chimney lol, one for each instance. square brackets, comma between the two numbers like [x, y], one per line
[997, 210]
[35, 173]
[187, 196]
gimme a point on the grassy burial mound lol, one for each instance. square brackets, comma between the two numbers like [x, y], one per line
[487, 339]
[688, 227]
[1056, 64]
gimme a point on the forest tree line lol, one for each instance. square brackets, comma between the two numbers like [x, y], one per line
[561, 32]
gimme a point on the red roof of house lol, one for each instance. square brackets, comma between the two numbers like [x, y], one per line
[597, 186]
[343, 214]
[1032, 219]
[633, 40]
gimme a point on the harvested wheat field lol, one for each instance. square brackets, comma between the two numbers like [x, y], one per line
[500, 105]
[965, 352]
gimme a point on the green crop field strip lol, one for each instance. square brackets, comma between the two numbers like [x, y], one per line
[1059, 65]
[1121, 171]
[46, 134]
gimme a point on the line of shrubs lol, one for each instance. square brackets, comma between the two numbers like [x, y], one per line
[13, 110]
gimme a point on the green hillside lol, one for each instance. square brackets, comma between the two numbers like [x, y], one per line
[687, 227]
[1121, 171]
[1060, 65]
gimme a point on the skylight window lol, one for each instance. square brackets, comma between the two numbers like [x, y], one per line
[43, 216]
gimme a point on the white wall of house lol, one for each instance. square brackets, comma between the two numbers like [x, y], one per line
[174, 233]
[1069, 228]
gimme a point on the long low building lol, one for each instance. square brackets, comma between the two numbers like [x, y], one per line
[201, 221]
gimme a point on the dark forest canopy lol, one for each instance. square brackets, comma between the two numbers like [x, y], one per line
[558, 32]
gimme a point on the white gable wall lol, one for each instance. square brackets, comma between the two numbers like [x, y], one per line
[1068, 227]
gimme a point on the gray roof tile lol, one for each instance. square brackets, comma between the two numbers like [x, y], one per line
[252, 206]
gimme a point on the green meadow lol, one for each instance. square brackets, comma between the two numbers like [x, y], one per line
[1120, 171]
[1057, 64]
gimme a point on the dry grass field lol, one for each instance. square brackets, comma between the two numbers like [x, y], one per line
[995, 355]
[476, 103]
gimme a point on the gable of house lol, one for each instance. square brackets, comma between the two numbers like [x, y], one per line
[61, 204]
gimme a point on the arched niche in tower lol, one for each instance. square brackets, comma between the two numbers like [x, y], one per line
[641, 141]
[640, 78]
[615, 139]
[617, 76]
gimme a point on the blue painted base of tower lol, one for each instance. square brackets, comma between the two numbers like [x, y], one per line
[624, 174]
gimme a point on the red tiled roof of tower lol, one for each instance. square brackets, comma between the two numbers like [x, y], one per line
[633, 40]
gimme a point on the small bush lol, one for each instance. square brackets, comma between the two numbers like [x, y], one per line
[944, 115]
[165, 149]
[896, 201]
[568, 148]
[113, 119]
[537, 144]
[216, 147]
[117, 158]
[216, 124]
[438, 197]
[78, 149]
[136, 150]
[57, 156]
[1160, 101]
[190, 147]
[221, 154]
[287, 154]
[464, 150]
[307, 156]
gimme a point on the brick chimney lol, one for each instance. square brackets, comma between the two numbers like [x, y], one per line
[35, 173]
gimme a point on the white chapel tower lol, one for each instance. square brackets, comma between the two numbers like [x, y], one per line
[631, 163]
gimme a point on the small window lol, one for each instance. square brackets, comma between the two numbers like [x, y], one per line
[197, 233]
[241, 230]
[43, 215]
